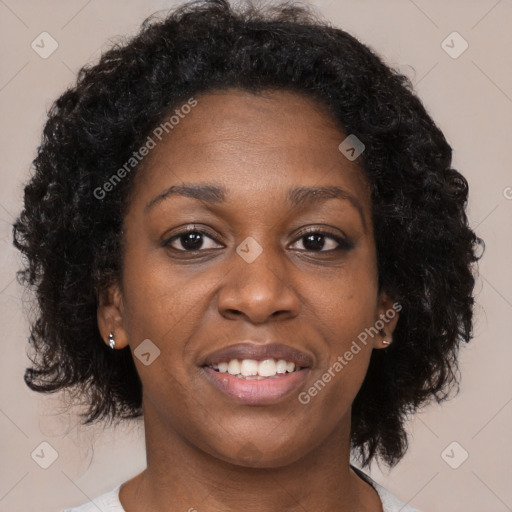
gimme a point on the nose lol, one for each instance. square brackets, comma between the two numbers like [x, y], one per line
[260, 290]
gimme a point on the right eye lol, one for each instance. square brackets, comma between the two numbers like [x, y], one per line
[190, 239]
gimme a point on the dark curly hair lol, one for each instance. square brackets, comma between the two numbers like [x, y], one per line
[72, 242]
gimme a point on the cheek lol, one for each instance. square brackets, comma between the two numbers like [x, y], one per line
[336, 381]
[344, 309]
[159, 299]
[345, 302]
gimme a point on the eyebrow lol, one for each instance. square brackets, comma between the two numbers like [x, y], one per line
[299, 196]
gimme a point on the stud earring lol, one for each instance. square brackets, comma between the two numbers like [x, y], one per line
[111, 340]
[383, 333]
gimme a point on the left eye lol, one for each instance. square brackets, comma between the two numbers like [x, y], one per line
[315, 241]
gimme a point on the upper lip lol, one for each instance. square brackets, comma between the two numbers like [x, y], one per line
[259, 352]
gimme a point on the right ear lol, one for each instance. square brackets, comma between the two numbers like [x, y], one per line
[110, 316]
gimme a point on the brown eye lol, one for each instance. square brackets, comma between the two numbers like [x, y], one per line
[316, 241]
[190, 240]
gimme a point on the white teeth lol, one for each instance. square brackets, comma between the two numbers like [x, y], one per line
[281, 366]
[255, 369]
[249, 367]
[234, 367]
[267, 368]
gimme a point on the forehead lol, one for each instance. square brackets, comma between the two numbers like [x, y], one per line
[253, 144]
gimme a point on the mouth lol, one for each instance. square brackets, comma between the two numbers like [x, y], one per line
[251, 369]
[257, 374]
[256, 389]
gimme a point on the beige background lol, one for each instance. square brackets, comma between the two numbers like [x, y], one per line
[471, 99]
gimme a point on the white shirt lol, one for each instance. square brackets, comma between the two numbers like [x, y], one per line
[109, 501]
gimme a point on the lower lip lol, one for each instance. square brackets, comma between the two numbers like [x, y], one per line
[257, 392]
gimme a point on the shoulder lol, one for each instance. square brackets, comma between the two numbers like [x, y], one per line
[390, 503]
[107, 502]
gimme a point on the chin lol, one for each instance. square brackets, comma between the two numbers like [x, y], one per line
[250, 456]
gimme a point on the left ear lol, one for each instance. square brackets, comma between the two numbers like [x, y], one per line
[386, 320]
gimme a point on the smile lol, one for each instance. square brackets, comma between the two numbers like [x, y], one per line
[256, 389]
[252, 369]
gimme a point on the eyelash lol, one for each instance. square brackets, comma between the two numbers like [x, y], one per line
[343, 244]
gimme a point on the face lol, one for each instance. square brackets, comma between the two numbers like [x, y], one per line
[265, 261]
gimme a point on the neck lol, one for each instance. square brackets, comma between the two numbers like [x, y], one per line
[180, 476]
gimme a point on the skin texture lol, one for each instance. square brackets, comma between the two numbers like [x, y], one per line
[203, 449]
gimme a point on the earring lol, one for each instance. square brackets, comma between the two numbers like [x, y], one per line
[383, 333]
[111, 340]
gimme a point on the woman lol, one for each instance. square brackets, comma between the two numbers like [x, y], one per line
[244, 227]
